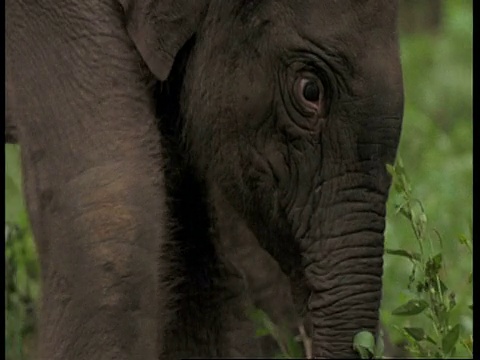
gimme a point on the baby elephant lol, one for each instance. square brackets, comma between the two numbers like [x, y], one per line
[155, 132]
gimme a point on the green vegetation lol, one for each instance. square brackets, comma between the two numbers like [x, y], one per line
[429, 321]
[436, 147]
[427, 278]
[439, 332]
[21, 266]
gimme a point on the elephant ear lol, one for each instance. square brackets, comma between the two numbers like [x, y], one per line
[159, 28]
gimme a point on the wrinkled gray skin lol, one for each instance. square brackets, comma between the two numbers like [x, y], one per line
[130, 221]
[269, 289]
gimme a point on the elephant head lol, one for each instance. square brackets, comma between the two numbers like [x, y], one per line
[292, 109]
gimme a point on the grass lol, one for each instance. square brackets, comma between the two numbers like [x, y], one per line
[436, 148]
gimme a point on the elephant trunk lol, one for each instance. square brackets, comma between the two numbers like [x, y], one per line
[344, 262]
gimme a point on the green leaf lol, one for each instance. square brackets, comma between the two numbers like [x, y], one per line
[256, 315]
[364, 344]
[263, 325]
[449, 340]
[433, 266]
[294, 348]
[465, 242]
[443, 288]
[418, 334]
[379, 346]
[413, 307]
[437, 260]
[408, 254]
[442, 313]
[470, 278]
[261, 332]
[468, 343]
[391, 169]
[462, 239]
[452, 301]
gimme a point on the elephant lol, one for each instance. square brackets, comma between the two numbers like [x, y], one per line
[156, 136]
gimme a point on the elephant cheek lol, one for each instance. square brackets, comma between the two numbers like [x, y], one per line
[343, 252]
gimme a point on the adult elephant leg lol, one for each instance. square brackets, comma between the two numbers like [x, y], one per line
[92, 179]
[99, 260]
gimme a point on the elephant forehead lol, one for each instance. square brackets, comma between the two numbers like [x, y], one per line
[360, 39]
[234, 80]
[343, 18]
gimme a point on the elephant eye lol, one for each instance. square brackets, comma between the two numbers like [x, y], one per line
[309, 93]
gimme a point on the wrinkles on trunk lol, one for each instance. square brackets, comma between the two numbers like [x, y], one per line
[343, 263]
